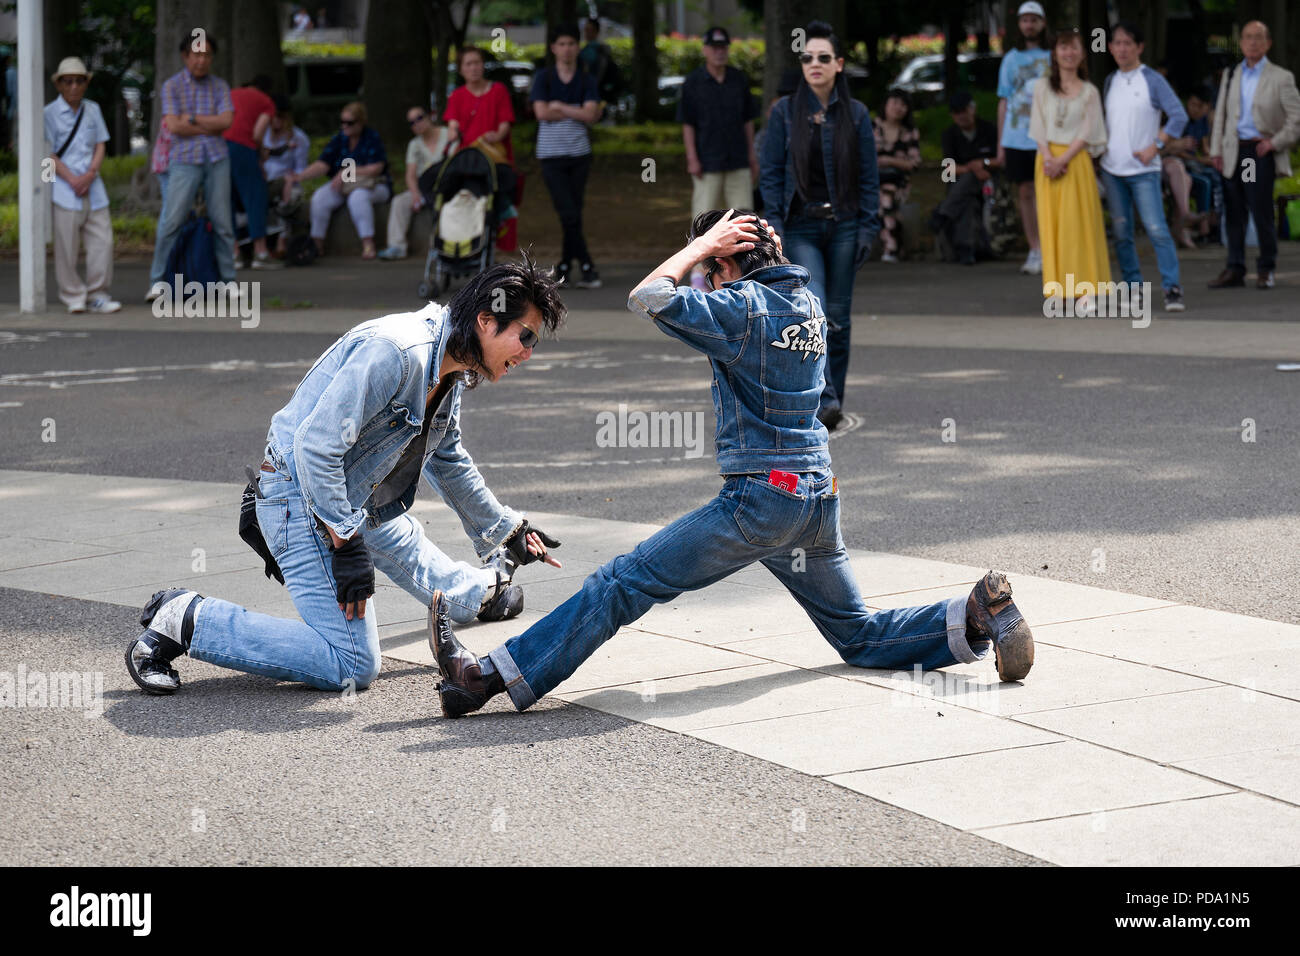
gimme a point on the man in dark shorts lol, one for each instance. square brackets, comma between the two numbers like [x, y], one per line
[1016, 151]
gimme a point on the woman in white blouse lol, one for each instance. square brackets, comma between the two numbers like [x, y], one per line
[1068, 127]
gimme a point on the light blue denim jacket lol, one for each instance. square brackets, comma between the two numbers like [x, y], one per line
[356, 410]
[776, 174]
[765, 337]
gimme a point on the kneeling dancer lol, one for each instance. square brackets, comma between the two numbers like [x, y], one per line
[764, 335]
[343, 460]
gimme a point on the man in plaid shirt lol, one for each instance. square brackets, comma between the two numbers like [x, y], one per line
[196, 109]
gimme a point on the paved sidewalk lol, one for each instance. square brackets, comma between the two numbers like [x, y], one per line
[1148, 733]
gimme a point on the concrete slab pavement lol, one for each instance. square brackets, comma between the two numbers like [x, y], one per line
[1148, 732]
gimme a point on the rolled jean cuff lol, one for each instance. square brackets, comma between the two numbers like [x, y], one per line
[521, 695]
[957, 642]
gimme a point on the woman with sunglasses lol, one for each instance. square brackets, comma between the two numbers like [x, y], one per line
[429, 145]
[821, 193]
[357, 164]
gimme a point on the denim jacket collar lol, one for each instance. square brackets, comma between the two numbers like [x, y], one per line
[786, 277]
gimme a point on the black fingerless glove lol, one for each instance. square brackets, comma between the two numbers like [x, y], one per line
[354, 572]
[517, 544]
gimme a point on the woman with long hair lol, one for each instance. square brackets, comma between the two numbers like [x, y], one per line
[1067, 125]
[898, 154]
[821, 192]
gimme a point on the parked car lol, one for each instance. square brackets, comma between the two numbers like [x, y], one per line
[922, 78]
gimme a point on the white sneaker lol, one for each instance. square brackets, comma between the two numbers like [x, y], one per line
[1033, 263]
[155, 290]
[888, 257]
[76, 309]
[264, 261]
[103, 305]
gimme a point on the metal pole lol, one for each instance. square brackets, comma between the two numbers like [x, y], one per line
[33, 190]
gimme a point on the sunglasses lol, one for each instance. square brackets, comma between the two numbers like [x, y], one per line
[527, 337]
[347, 122]
[415, 119]
[820, 57]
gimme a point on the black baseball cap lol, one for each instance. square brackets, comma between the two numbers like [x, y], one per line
[717, 36]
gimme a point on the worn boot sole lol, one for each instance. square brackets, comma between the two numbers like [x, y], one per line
[455, 702]
[1013, 644]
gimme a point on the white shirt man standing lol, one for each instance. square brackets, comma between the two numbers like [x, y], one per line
[76, 134]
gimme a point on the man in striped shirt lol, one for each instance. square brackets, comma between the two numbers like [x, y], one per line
[196, 110]
[565, 101]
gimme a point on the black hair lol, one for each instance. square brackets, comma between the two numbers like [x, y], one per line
[282, 104]
[959, 101]
[594, 22]
[1132, 29]
[845, 145]
[505, 292]
[261, 82]
[1202, 93]
[907, 122]
[565, 30]
[187, 43]
[764, 253]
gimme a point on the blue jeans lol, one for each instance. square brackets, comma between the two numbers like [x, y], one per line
[325, 649]
[249, 186]
[825, 248]
[1142, 190]
[796, 535]
[183, 182]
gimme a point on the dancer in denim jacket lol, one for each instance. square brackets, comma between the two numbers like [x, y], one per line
[765, 338]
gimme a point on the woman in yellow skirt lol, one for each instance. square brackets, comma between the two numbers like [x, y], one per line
[1067, 125]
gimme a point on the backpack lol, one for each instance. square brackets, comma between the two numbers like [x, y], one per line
[194, 254]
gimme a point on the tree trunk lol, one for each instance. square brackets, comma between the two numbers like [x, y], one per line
[780, 19]
[954, 32]
[397, 32]
[645, 59]
[255, 44]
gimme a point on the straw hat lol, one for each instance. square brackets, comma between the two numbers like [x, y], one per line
[71, 66]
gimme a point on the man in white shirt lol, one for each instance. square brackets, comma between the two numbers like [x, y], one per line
[1134, 97]
[76, 134]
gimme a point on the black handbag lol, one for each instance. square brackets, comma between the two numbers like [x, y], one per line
[251, 531]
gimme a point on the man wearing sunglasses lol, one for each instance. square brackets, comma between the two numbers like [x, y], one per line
[343, 459]
[765, 337]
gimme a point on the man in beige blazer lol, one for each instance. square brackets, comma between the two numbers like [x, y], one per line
[1256, 122]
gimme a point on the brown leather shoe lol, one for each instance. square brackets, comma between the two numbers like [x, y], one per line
[463, 688]
[1228, 278]
[1264, 280]
[991, 616]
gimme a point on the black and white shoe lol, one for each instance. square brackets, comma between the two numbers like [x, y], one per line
[503, 601]
[168, 620]
[590, 278]
[1174, 299]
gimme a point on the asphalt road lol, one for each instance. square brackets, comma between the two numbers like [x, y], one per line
[1124, 471]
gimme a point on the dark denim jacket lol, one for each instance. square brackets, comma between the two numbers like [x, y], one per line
[765, 337]
[776, 173]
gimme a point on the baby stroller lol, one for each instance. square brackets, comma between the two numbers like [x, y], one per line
[469, 195]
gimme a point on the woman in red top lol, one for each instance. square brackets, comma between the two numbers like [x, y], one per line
[481, 110]
[253, 113]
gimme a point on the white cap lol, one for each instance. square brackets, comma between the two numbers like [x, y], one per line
[1031, 7]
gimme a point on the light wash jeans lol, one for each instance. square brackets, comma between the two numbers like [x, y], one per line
[796, 535]
[183, 182]
[361, 206]
[325, 649]
[1142, 190]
